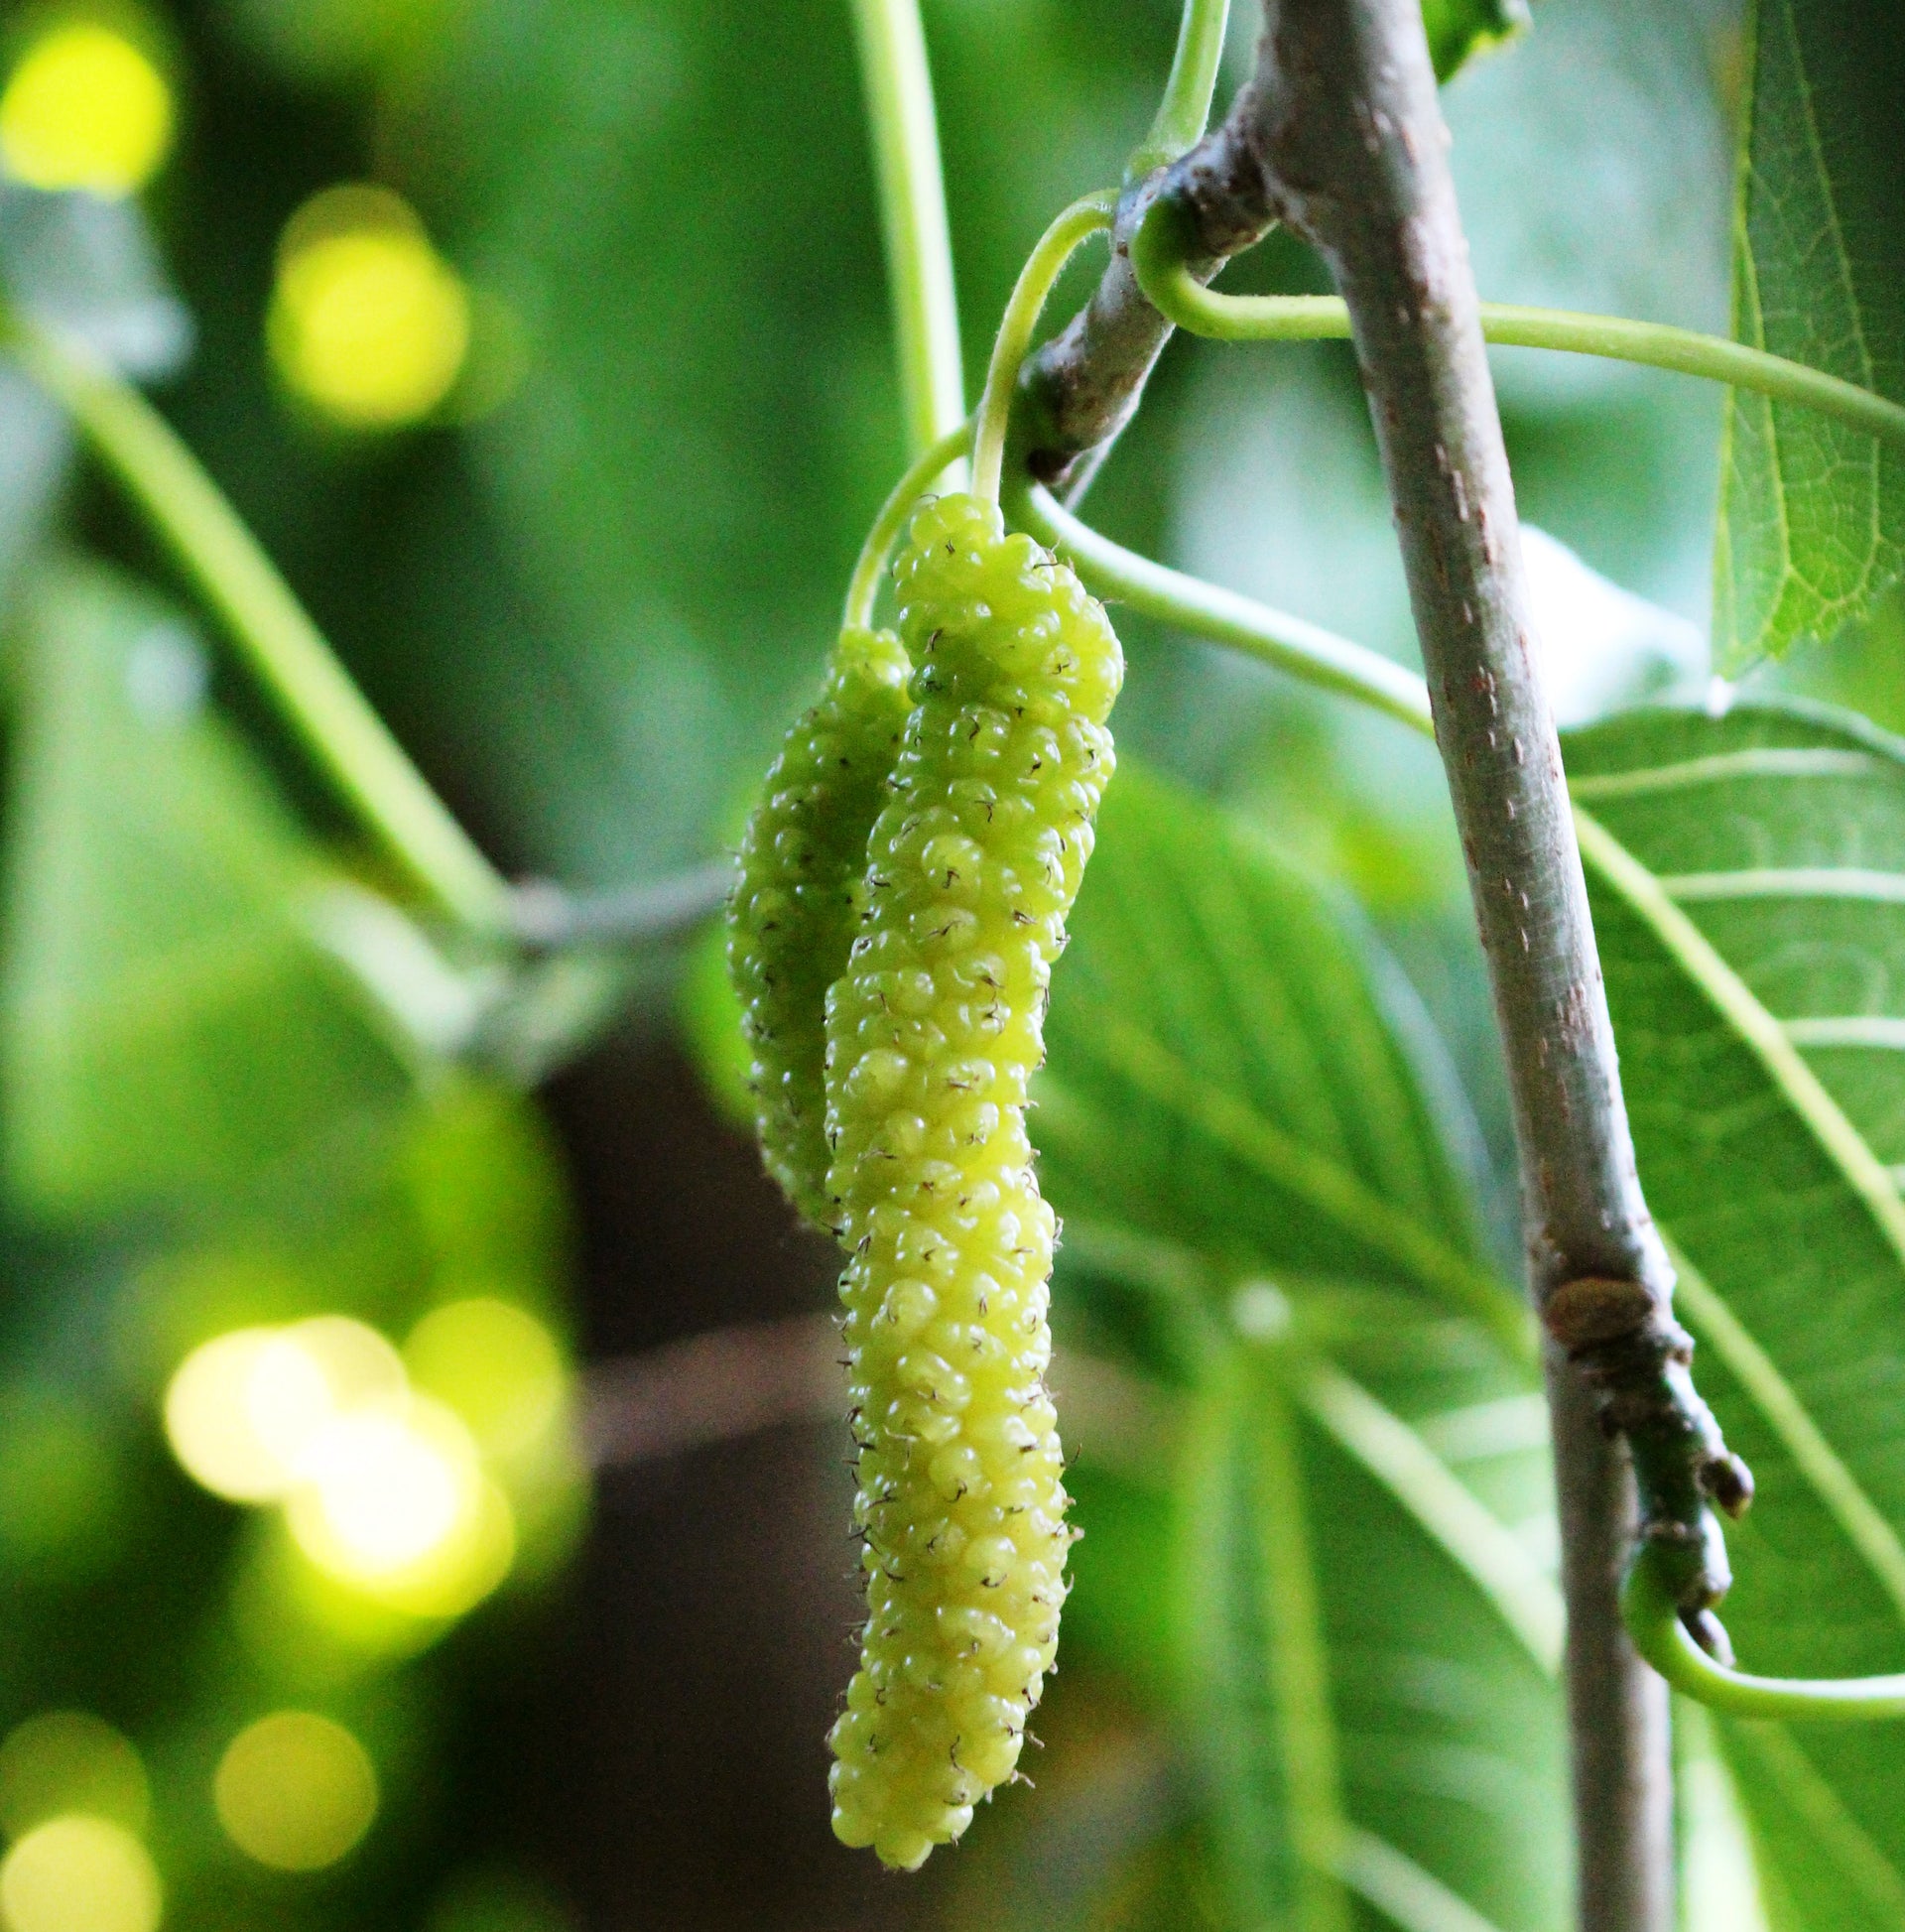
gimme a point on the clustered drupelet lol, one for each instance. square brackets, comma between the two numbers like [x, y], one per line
[934, 1028]
[796, 903]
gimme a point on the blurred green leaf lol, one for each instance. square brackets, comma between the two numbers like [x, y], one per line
[1812, 514]
[486, 1187]
[1458, 30]
[169, 1032]
[1116, 1612]
[1242, 1092]
[1752, 939]
[61, 1484]
[1398, 1711]
[338, 40]
[1236, 1067]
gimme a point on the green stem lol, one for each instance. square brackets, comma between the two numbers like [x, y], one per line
[271, 628]
[1185, 107]
[1156, 257]
[918, 251]
[1082, 218]
[863, 588]
[1647, 1605]
[1305, 650]
[1299, 1662]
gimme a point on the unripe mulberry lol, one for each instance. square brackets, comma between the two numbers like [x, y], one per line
[796, 904]
[933, 1032]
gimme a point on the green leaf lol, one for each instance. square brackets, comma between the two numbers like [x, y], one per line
[1235, 1066]
[1812, 524]
[1748, 881]
[1458, 30]
[168, 1030]
[1346, 1687]
[1229, 1654]
[1240, 1093]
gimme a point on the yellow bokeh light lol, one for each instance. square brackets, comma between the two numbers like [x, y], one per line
[496, 1366]
[399, 1506]
[243, 1410]
[361, 1368]
[84, 109]
[235, 1405]
[71, 1761]
[369, 325]
[295, 1791]
[384, 1488]
[80, 1873]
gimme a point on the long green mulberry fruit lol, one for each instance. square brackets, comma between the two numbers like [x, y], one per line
[795, 908]
[933, 1032]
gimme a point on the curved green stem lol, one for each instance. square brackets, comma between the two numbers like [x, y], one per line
[1156, 257]
[1647, 1605]
[918, 251]
[1083, 218]
[864, 584]
[1305, 650]
[271, 628]
[1186, 106]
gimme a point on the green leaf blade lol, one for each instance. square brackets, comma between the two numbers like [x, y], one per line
[168, 1030]
[1225, 1070]
[1239, 1095]
[1777, 834]
[1812, 525]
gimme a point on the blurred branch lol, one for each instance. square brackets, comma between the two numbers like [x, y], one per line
[711, 1388]
[898, 86]
[548, 917]
[272, 629]
[732, 1382]
[316, 696]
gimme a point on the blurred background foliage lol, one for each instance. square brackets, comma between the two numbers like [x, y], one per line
[546, 348]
